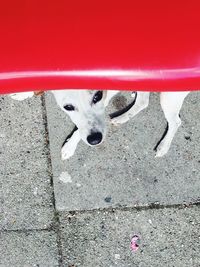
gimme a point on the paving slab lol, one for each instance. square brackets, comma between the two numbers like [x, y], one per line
[169, 237]
[123, 171]
[31, 249]
[27, 202]
[22, 136]
[26, 191]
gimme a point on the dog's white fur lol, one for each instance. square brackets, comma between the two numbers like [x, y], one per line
[89, 117]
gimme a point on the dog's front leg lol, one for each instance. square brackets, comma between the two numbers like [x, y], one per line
[70, 144]
[142, 101]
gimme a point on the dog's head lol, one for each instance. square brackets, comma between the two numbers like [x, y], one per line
[86, 110]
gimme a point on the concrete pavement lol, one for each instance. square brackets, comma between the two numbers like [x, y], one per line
[83, 211]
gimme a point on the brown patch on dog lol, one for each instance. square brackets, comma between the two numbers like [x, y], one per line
[38, 93]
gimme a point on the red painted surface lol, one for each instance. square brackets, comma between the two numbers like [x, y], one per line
[105, 44]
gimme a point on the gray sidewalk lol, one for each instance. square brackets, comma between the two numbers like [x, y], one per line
[84, 211]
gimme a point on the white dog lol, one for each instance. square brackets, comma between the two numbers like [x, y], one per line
[86, 108]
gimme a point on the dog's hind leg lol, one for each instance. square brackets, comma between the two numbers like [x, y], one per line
[142, 101]
[171, 103]
[70, 144]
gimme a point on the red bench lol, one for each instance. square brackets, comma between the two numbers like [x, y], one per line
[106, 44]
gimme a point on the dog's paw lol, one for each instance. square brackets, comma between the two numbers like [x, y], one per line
[161, 150]
[67, 151]
[120, 120]
[21, 96]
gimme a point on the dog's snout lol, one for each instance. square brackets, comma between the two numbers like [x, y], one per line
[94, 138]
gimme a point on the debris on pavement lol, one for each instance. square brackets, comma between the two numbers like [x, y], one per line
[135, 242]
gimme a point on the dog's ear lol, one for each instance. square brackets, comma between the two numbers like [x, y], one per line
[38, 93]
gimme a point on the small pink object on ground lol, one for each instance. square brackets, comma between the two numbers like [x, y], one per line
[135, 241]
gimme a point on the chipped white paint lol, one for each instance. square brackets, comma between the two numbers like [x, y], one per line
[35, 191]
[117, 256]
[65, 177]
[2, 135]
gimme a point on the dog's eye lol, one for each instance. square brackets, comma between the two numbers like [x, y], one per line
[69, 107]
[97, 97]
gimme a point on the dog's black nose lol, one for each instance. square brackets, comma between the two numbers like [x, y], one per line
[94, 138]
